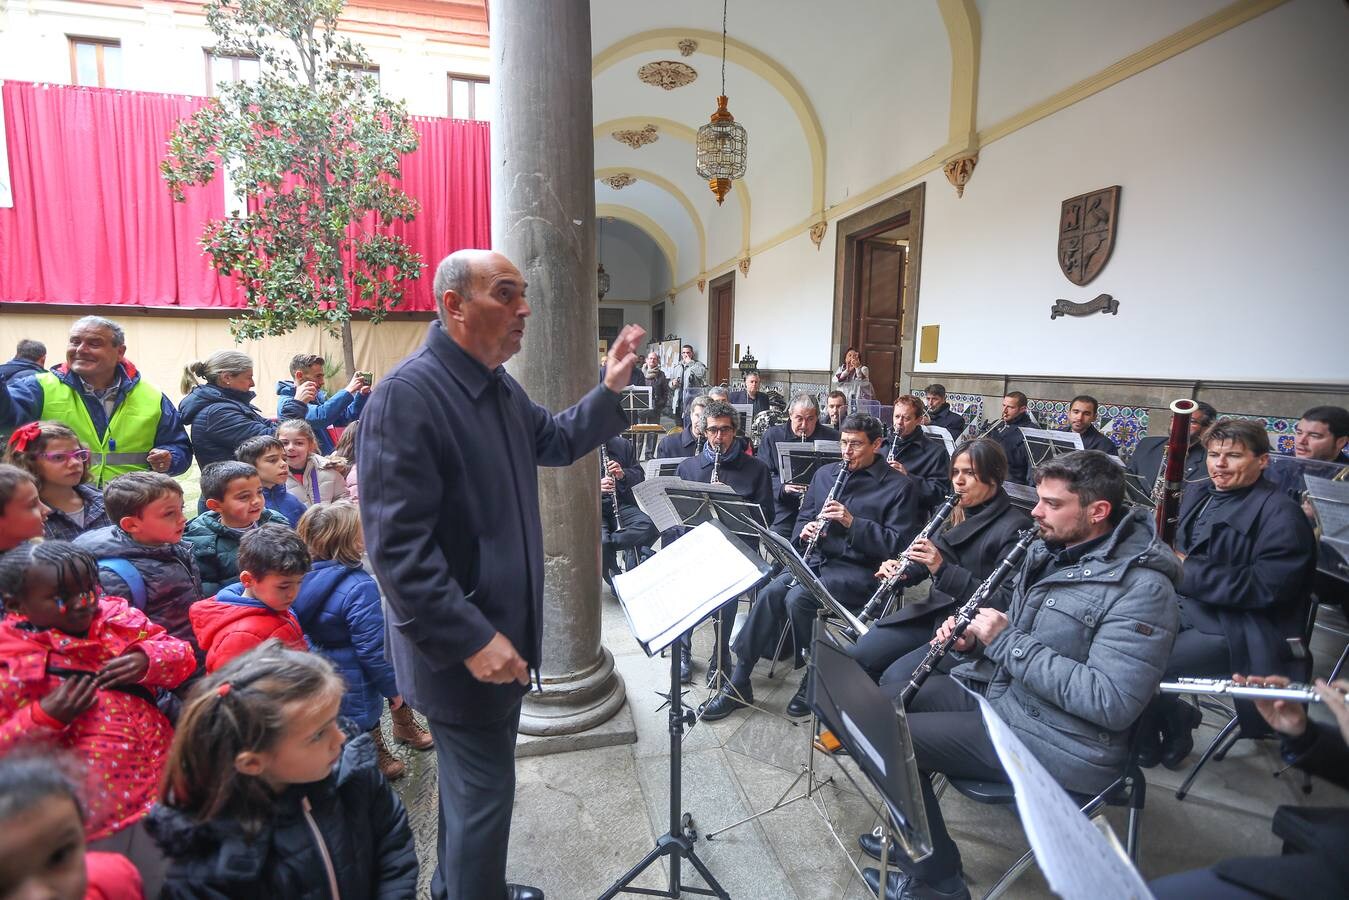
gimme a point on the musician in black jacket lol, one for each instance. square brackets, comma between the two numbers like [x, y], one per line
[911, 452]
[1249, 556]
[957, 560]
[1146, 463]
[1081, 421]
[940, 413]
[688, 441]
[1014, 416]
[748, 476]
[803, 424]
[873, 514]
[1313, 863]
[751, 395]
[637, 532]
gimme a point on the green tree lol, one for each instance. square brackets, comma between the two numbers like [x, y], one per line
[316, 146]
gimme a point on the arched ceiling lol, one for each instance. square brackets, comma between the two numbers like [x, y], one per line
[845, 103]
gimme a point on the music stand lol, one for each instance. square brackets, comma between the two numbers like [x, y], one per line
[1021, 496]
[745, 414]
[662, 466]
[942, 436]
[1043, 445]
[678, 842]
[798, 461]
[1330, 499]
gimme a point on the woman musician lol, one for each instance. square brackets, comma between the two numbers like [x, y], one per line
[958, 560]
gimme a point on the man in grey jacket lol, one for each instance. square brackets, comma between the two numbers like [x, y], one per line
[1069, 667]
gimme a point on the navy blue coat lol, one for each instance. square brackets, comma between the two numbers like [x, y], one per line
[221, 419]
[339, 609]
[450, 507]
[927, 463]
[760, 401]
[945, 417]
[786, 505]
[279, 499]
[18, 368]
[1146, 462]
[21, 400]
[672, 446]
[886, 516]
[172, 580]
[1249, 580]
[747, 475]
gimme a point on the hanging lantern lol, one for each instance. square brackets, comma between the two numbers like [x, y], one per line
[603, 279]
[723, 144]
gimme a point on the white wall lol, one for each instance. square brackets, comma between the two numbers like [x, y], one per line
[633, 313]
[784, 309]
[1230, 259]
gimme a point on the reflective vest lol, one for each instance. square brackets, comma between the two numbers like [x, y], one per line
[130, 434]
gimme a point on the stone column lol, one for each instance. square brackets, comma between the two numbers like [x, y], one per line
[543, 219]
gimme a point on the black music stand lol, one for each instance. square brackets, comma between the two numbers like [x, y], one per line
[678, 842]
[798, 461]
[1043, 445]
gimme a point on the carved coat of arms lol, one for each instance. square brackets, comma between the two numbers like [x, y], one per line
[1087, 233]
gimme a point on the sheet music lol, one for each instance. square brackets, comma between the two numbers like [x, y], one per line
[1331, 501]
[799, 461]
[672, 591]
[1076, 858]
[661, 467]
[833, 447]
[653, 499]
[1062, 441]
[936, 432]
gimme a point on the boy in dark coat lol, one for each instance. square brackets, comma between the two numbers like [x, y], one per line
[234, 507]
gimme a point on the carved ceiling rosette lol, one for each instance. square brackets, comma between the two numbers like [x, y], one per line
[687, 47]
[667, 74]
[637, 138]
[619, 181]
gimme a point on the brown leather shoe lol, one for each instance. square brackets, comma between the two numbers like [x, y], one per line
[407, 731]
[390, 765]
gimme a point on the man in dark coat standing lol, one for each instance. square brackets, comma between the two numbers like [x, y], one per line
[450, 505]
[1146, 463]
[909, 451]
[803, 424]
[1014, 416]
[1249, 558]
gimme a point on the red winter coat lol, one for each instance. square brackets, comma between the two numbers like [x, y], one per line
[229, 624]
[123, 739]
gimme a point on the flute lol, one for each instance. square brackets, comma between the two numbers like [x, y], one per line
[881, 599]
[967, 613]
[1295, 691]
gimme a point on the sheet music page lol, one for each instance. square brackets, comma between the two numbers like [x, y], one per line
[1076, 858]
[672, 591]
[1061, 440]
[652, 467]
[1330, 499]
[829, 447]
[936, 432]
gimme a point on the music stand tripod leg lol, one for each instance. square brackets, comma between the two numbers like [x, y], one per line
[677, 843]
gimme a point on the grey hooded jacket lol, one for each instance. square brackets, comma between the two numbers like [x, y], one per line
[1083, 652]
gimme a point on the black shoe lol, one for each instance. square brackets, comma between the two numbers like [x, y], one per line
[685, 664]
[871, 846]
[712, 670]
[899, 886]
[1150, 750]
[1181, 721]
[523, 892]
[798, 706]
[726, 701]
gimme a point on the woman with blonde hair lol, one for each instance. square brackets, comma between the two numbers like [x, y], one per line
[219, 408]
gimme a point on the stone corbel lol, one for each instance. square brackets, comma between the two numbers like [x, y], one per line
[702, 283]
[817, 232]
[959, 170]
[743, 265]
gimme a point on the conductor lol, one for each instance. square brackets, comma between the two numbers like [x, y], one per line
[450, 505]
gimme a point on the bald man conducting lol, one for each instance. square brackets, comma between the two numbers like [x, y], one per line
[449, 447]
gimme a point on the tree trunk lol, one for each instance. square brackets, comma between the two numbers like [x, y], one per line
[348, 351]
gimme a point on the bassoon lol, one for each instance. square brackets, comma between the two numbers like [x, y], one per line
[1170, 482]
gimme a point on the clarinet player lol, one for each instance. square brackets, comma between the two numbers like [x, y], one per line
[623, 526]
[872, 515]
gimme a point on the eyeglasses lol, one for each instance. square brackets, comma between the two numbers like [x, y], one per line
[719, 429]
[62, 456]
[83, 600]
[854, 445]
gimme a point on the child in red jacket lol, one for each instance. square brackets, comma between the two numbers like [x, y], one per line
[272, 563]
[77, 671]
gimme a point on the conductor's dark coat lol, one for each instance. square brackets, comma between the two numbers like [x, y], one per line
[450, 505]
[1249, 579]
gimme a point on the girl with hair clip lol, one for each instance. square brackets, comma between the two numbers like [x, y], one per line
[22, 512]
[42, 850]
[340, 610]
[52, 454]
[77, 672]
[313, 478]
[261, 798]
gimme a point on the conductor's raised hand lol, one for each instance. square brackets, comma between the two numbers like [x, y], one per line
[622, 357]
[498, 663]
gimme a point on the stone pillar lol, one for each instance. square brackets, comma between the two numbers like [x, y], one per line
[543, 219]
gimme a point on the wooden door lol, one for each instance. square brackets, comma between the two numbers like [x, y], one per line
[880, 312]
[721, 317]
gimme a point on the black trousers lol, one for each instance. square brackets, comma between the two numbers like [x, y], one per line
[633, 539]
[948, 737]
[1195, 653]
[779, 604]
[880, 649]
[475, 766]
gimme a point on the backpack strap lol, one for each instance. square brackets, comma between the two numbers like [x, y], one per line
[135, 582]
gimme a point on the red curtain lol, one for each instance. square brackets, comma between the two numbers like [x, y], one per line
[93, 221]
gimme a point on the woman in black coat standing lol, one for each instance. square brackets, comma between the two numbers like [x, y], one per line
[220, 411]
[982, 531]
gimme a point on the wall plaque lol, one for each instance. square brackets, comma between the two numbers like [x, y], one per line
[1087, 233]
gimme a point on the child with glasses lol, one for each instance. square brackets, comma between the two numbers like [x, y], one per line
[77, 673]
[53, 454]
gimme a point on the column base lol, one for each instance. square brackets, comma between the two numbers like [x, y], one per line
[574, 708]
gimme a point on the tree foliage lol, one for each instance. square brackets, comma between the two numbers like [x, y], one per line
[316, 147]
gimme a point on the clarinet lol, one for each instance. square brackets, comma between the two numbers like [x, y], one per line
[716, 464]
[822, 522]
[604, 473]
[967, 613]
[881, 599]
